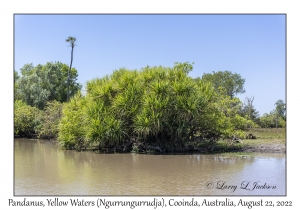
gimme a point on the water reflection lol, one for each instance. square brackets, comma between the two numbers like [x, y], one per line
[43, 169]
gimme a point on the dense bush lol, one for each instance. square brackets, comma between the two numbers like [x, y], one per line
[50, 119]
[36, 85]
[72, 125]
[25, 119]
[157, 106]
[44, 87]
[269, 121]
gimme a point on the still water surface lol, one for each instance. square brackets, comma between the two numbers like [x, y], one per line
[41, 168]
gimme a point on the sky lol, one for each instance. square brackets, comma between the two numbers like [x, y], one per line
[253, 46]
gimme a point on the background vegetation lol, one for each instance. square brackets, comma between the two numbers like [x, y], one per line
[39, 92]
[155, 108]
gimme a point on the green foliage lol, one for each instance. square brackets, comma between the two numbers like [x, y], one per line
[269, 121]
[71, 40]
[30, 88]
[25, 119]
[42, 83]
[248, 111]
[73, 123]
[17, 96]
[135, 149]
[243, 123]
[275, 118]
[156, 106]
[231, 83]
[50, 120]
[280, 109]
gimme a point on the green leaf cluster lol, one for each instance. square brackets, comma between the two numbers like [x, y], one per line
[25, 119]
[231, 83]
[276, 118]
[271, 120]
[42, 83]
[73, 124]
[50, 119]
[158, 105]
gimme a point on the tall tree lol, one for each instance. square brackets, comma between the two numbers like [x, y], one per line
[226, 81]
[249, 105]
[280, 110]
[72, 41]
[16, 78]
[42, 83]
[248, 110]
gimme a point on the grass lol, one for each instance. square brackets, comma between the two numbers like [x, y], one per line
[263, 141]
[264, 136]
[268, 133]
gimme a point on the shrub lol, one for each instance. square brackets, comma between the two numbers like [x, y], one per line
[25, 119]
[72, 124]
[157, 105]
[50, 120]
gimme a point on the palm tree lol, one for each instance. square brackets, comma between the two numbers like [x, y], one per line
[72, 41]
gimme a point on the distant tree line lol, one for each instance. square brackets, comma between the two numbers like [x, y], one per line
[232, 84]
[276, 118]
[39, 91]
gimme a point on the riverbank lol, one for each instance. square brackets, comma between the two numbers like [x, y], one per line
[267, 140]
[270, 140]
[271, 148]
[247, 145]
[254, 147]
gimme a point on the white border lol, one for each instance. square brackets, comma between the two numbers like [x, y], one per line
[8, 8]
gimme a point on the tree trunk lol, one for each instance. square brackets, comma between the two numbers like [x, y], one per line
[68, 93]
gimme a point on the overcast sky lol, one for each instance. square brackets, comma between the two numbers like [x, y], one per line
[250, 45]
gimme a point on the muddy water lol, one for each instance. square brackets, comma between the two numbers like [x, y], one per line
[41, 168]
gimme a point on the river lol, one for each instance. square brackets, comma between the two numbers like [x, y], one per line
[42, 168]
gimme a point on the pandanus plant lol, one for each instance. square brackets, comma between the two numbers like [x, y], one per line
[157, 105]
